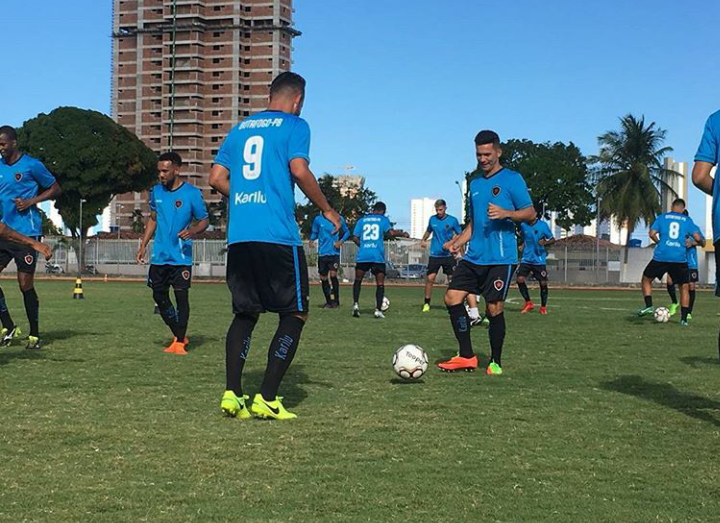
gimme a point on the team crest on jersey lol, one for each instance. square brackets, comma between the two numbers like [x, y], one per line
[178, 203]
[18, 177]
[498, 284]
[186, 275]
[29, 259]
[496, 190]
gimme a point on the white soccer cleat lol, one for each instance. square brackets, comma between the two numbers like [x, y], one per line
[379, 314]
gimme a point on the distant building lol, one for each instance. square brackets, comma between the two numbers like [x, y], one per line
[679, 184]
[421, 209]
[349, 185]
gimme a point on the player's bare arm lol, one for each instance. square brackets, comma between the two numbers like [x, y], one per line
[695, 241]
[191, 232]
[457, 243]
[654, 236]
[51, 193]
[150, 227]
[220, 180]
[547, 241]
[6, 233]
[356, 240]
[701, 177]
[308, 185]
[495, 212]
[426, 236]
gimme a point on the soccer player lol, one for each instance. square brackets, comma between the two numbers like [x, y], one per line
[257, 167]
[674, 233]
[329, 242]
[499, 198]
[536, 236]
[369, 235]
[707, 157]
[693, 278]
[177, 215]
[24, 182]
[443, 228]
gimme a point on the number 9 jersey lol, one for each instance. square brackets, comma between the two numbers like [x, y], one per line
[673, 228]
[371, 230]
[257, 152]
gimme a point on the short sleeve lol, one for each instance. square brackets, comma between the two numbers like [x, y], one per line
[429, 227]
[315, 231]
[456, 227]
[519, 193]
[41, 175]
[708, 149]
[224, 155]
[358, 228]
[386, 225]
[151, 199]
[548, 232]
[199, 209]
[346, 231]
[299, 142]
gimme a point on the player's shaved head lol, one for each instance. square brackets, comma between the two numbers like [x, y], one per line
[8, 143]
[678, 205]
[9, 132]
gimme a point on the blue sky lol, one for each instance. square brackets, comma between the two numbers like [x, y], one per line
[399, 89]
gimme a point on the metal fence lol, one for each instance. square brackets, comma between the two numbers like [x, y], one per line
[573, 265]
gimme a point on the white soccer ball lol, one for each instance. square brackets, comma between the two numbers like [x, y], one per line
[385, 304]
[662, 315]
[410, 362]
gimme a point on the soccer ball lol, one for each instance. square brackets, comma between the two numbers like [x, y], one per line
[662, 315]
[410, 362]
[385, 304]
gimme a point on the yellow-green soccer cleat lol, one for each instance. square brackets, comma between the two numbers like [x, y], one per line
[426, 307]
[673, 309]
[493, 369]
[234, 406]
[33, 342]
[270, 409]
[7, 337]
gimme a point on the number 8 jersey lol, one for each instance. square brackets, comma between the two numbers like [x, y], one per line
[673, 228]
[257, 152]
[371, 230]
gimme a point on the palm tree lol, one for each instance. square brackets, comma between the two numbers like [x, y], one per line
[631, 175]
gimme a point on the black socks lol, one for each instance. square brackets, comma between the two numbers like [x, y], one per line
[692, 301]
[183, 313]
[648, 301]
[543, 295]
[379, 295]
[167, 311]
[326, 290]
[356, 290]
[497, 337]
[684, 311]
[32, 308]
[5, 313]
[461, 326]
[524, 291]
[237, 345]
[672, 293]
[281, 353]
[335, 289]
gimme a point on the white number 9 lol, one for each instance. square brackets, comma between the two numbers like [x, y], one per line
[253, 157]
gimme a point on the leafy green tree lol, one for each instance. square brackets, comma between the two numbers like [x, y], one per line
[218, 213]
[350, 206]
[48, 227]
[631, 173]
[138, 221]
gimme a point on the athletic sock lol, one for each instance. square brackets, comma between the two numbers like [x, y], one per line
[648, 301]
[356, 290]
[167, 311]
[32, 309]
[684, 313]
[672, 293]
[692, 300]
[237, 345]
[497, 337]
[326, 290]
[524, 291]
[473, 313]
[543, 295]
[461, 327]
[427, 301]
[281, 353]
[183, 312]
[5, 313]
[379, 295]
[335, 288]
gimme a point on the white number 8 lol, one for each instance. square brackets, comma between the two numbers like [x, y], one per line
[674, 232]
[253, 157]
[371, 231]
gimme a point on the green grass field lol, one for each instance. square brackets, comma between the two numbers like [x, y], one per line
[599, 417]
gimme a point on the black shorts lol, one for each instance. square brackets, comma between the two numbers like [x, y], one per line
[490, 281]
[162, 277]
[657, 269]
[375, 268]
[267, 277]
[327, 264]
[25, 258]
[539, 272]
[446, 263]
[693, 276]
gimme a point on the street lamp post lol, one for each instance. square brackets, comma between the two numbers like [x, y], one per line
[82, 200]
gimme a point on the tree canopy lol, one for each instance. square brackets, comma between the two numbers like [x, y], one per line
[91, 156]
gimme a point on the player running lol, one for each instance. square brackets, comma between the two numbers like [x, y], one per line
[693, 278]
[257, 167]
[674, 233]
[177, 215]
[443, 228]
[536, 236]
[329, 242]
[499, 198]
[369, 235]
[24, 182]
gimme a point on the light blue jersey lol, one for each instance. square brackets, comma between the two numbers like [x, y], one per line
[322, 230]
[692, 259]
[533, 253]
[442, 232]
[709, 151]
[175, 211]
[673, 229]
[493, 242]
[257, 152]
[371, 230]
[26, 178]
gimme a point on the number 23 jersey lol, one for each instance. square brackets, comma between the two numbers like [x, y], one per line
[257, 152]
[673, 228]
[371, 230]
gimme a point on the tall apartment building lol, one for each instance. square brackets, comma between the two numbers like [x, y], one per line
[678, 184]
[421, 209]
[185, 71]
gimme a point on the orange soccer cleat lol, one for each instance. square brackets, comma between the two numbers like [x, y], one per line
[528, 307]
[177, 347]
[457, 363]
[543, 311]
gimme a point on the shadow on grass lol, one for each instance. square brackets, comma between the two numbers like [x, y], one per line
[400, 381]
[666, 395]
[638, 320]
[60, 335]
[196, 341]
[6, 356]
[292, 387]
[699, 361]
